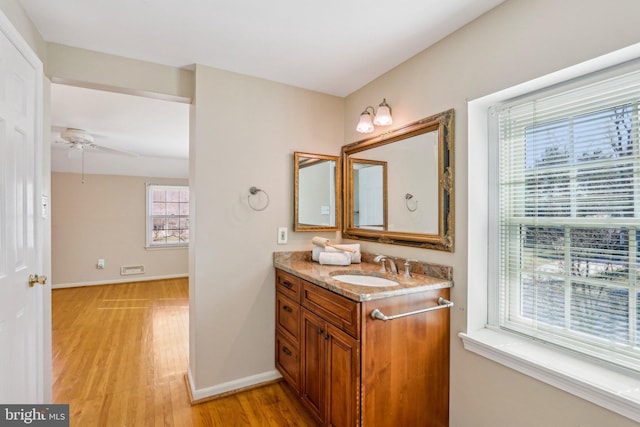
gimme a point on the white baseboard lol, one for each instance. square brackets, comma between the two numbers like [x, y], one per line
[238, 384]
[129, 279]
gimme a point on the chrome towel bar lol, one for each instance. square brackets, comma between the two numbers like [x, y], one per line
[442, 303]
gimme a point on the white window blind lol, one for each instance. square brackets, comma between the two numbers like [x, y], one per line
[568, 204]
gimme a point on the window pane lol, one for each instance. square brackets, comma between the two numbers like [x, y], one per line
[159, 208]
[543, 299]
[159, 223]
[173, 195]
[605, 191]
[600, 253]
[600, 311]
[159, 233]
[184, 196]
[173, 208]
[159, 195]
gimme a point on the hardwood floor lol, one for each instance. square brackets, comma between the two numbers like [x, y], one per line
[120, 353]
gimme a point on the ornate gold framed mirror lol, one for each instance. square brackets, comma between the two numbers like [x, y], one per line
[410, 202]
[316, 194]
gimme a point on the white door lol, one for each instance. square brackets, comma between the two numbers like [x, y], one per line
[21, 317]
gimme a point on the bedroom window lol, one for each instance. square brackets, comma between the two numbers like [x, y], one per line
[567, 204]
[167, 215]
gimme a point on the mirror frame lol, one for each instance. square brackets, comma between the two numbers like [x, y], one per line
[444, 240]
[296, 196]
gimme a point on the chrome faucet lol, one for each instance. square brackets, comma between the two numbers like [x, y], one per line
[407, 267]
[393, 269]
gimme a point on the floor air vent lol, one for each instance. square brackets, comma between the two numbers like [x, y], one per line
[127, 270]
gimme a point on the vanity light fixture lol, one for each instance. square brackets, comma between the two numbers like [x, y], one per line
[381, 118]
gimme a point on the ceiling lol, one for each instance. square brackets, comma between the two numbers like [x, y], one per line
[333, 46]
[144, 126]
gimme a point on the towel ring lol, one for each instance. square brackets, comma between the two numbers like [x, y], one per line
[252, 192]
[408, 197]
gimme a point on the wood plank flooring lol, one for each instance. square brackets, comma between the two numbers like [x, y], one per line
[120, 353]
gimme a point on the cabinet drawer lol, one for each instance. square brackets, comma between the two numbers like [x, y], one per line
[338, 310]
[288, 284]
[288, 316]
[288, 361]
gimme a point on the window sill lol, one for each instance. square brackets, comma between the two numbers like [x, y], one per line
[604, 386]
[163, 248]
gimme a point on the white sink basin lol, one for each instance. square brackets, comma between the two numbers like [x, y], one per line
[361, 280]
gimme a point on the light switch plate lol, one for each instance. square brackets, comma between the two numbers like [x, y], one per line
[282, 235]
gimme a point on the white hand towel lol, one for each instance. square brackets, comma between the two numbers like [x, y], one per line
[356, 257]
[334, 258]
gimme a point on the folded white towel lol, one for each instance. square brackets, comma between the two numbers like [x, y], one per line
[315, 253]
[356, 257]
[334, 258]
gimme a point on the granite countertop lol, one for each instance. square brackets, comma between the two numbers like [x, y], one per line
[301, 265]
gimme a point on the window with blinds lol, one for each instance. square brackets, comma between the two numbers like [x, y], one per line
[568, 214]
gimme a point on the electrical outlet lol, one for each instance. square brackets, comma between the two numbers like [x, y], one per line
[282, 235]
[100, 264]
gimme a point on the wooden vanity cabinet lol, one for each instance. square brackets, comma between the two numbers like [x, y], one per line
[288, 309]
[350, 369]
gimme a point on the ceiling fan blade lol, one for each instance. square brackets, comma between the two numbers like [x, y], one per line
[113, 151]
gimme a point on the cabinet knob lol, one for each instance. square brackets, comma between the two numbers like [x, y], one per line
[320, 331]
[287, 309]
[286, 351]
[287, 284]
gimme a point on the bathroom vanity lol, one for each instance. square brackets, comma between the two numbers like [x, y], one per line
[350, 368]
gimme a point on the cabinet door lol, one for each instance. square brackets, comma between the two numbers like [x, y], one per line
[313, 363]
[342, 379]
[288, 361]
[405, 362]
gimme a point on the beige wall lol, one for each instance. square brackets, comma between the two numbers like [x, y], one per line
[244, 134]
[105, 218]
[518, 41]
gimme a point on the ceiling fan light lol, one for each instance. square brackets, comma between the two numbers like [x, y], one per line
[365, 125]
[76, 136]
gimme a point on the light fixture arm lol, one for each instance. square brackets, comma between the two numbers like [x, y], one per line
[366, 111]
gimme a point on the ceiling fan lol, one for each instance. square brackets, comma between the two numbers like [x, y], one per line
[79, 139]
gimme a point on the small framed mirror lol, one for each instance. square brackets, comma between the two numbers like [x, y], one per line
[398, 186]
[316, 198]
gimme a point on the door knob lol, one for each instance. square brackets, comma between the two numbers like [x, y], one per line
[34, 278]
